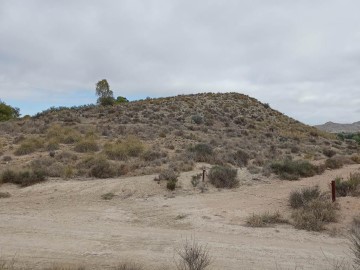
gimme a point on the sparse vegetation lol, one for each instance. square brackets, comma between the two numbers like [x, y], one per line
[334, 163]
[23, 178]
[86, 146]
[29, 146]
[202, 153]
[265, 219]
[122, 150]
[223, 177]
[301, 198]
[355, 237]
[193, 256]
[349, 186]
[293, 170]
[108, 196]
[5, 195]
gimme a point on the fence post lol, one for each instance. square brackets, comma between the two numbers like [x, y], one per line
[333, 190]
[203, 176]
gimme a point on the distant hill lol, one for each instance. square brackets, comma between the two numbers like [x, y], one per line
[338, 128]
[146, 136]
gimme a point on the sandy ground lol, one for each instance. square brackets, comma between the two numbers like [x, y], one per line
[68, 222]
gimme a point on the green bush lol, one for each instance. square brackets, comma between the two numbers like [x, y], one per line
[197, 119]
[301, 198]
[102, 169]
[171, 185]
[293, 170]
[23, 178]
[7, 112]
[223, 177]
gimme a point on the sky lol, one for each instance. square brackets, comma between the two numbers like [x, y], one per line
[302, 56]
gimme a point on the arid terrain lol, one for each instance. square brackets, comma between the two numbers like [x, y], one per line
[67, 222]
[99, 185]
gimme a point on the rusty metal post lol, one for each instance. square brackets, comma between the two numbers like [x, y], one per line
[203, 178]
[333, 190]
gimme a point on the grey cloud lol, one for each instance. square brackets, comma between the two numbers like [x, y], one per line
[299, 56]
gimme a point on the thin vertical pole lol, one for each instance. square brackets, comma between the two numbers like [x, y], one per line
[333, 190]
[203, 178]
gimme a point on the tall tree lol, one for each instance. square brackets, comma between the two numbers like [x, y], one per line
[106, 96]
[7, 112]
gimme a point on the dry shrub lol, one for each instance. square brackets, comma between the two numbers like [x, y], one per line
[356, 159]
[86, 146]
[329, 152]
[97, 166]
[23, 178]
[349, 186]
[4, 195]
[61, 134]
[301, 198]
[293, 170]
[49, 166]
[29, 146]
[334, 163]
[193, 256]
[202, 153]
[121, 150]
[265, 219]
[239, 158]
[223, 177]
[314, 215]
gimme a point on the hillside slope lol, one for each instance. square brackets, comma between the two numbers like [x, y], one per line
[146, 136]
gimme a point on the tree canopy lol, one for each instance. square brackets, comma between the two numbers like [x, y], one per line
[7, 112]
[106, 96]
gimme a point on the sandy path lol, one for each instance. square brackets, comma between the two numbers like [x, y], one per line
[67, 221]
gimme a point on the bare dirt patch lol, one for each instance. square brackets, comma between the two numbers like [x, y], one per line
[69, 222]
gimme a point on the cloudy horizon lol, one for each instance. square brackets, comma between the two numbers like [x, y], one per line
[301, 57]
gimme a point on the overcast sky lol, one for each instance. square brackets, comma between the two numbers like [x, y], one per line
[300, 56]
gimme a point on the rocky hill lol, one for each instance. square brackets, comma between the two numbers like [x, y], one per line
[338, 128]
[146, 136]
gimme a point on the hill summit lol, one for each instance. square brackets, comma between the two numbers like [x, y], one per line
[146, 136]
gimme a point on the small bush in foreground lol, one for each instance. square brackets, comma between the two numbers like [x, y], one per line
[301, 198]
[129, 266]
[314, 215]
[264, 219]
[293, 170]
[223, 177]
[23, 178]
[193, 256]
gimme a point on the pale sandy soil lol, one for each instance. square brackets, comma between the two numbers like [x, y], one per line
[68, 222]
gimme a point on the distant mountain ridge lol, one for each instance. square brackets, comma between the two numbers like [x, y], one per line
[338, 128]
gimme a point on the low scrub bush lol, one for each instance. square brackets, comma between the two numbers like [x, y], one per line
[239, 158]
[23, 178]
[170, 176]
[61, 134]
[349, 186]
[334, 163]
[29, 146]
[265, 219]
[329, 152]
[108, 196]
[86, 146]
[97, 166]
[293, 170]
[49, 166]
[202, 153]
[223, 177]
[301, 198]
[5, 195]
[122, 150]
[193, 256]
[314, 215]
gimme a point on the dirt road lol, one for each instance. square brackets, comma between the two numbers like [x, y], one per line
[68, 222]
